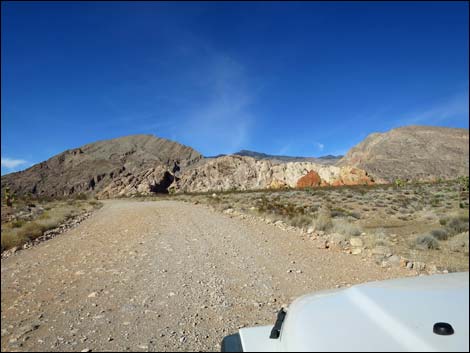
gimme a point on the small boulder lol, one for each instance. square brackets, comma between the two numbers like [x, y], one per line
[356, 251]
[394, 260]
[356, 242]
[382, 250]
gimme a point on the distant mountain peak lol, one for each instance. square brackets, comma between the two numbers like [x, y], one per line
[329, 159]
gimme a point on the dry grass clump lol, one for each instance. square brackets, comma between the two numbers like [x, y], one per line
[32, 230]
[18, 232]
[10, 240]
[378, 238]
[18, 223]
[301, 221]
[344, 227]
[323, 220]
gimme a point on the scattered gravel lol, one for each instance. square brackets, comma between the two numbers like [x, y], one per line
[164, 276]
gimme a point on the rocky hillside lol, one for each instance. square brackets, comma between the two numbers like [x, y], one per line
[137, 163]
[413, 153]
[246, 173]
[145, 164]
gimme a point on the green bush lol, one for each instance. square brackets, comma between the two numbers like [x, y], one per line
[399, 182]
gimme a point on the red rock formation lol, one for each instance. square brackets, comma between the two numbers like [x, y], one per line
[311, 179]
[337, 183]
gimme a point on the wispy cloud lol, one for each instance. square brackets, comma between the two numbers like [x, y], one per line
[222, 122]
[319, 146]
[284, 149]
[10, 163]
[455, 107]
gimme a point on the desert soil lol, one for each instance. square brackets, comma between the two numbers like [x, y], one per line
[162, 275]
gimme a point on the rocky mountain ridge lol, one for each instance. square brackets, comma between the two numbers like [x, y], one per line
[93, 167]
[145, 164]
[412, 153]
[329, 159]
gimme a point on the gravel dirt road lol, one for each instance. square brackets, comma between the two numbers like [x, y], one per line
[162, 275]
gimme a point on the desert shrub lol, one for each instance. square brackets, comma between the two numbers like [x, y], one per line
[399, 182]
[338, 212]
[95, 204]
[7, 195]
[463, 182]
[50, 223]
[10, 239]
[17, 224]
[301, 221]
[356, 215]
[323, 219]
[440, 234]
[31, 231]
[44, 215]
[425, 242]
[457, 224]
[378, 238]
[81, 196]
[344, 227]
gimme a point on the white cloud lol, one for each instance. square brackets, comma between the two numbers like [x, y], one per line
[320, 146]
[10, 163]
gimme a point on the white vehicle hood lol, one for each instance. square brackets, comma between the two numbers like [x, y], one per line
[395, 315]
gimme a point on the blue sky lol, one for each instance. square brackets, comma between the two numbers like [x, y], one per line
[304, 79]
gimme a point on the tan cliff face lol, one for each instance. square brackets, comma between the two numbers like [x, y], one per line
[413, 153]
[246, 173]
